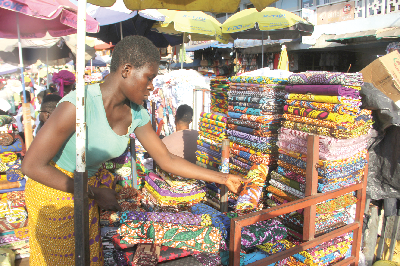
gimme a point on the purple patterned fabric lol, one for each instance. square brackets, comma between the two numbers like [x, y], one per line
[333, 90]
[163, 217]
[165, 192]
[262, 232]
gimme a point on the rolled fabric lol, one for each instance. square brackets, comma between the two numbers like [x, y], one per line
[213, 122]
[324, 77]
[254, 125]
[6, 186]
[16, 146]
[291, 175]
[204, 139]
[247, 110]
[251, 193]
[239, 134]
[189, 237]
[317, 114]
[257, 80]
[208, 157]
[333, 90]
[264, 119]
[207, 127]
[252, 99]
[239, 163]
[273, 105]
[262, 147]
[264, 158]
[166, 192]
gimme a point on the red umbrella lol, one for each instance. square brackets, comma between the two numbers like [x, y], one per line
[36, 17]
[33, 19]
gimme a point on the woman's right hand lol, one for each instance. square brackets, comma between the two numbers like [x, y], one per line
[106, 199]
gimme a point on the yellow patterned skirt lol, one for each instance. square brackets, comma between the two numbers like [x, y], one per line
[51, 223]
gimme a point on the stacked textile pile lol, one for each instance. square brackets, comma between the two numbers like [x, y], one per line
[255, 112]
[212, 130]
[167, 192]
[328, 105]
[219, 95]
[13, 214]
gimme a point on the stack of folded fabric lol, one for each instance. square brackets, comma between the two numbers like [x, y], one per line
[255, 112]
[212, 130]
[219, 95]
[328, 105]
[170, 193]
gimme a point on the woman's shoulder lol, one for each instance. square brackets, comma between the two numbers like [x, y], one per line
[90, 92]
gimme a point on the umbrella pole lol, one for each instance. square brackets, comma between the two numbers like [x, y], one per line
[120, 30]
[81, 206]
[181, 52]
[262, 49]
[47, 67]
[26, 110]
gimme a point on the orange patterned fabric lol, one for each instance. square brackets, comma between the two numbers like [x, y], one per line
[51, 222]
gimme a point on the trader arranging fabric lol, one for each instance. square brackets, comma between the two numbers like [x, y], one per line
[113, 112]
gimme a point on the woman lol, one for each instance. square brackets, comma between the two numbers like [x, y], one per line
[113, 111]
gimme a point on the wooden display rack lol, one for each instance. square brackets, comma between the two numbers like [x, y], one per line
[309, 206]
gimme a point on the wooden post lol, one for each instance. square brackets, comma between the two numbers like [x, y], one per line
[311, 186]
[224, 169]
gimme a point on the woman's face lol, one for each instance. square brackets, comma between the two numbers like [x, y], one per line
[139, 82]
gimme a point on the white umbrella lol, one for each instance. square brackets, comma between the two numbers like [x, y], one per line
[8, 69]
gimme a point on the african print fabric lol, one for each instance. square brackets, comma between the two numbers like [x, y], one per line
[323, 77]
[189, 237]
[328, 107]
[257, 80]
[333, 90]
[354, 103]
[51, 238]
[262, 232]
[316, 114]
[251, 193]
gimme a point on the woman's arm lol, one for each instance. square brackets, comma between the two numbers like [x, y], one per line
[57, 129]
[179, 166]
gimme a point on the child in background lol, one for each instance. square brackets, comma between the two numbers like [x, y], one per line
[49, 103]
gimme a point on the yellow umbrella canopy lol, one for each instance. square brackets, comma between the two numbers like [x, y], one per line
[221, 6]
[199, 25]
[280, 24]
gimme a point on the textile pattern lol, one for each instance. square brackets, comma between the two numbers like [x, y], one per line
[317, 114]
[189, 237]
[359, 122]
[150, 179]
[323, 77]
[146, 254]
[258, 99]
[166, 217]
[254, 125]
[212, 122]
[213, 117]
[216, 143]
[338, 203]
[271, 140]
[210, 152]
[263, 158]
[251, 192]
[218, 219]
[273, 106]
[328, 142]
[207, 162]
[168, 253]
[51, 226]
[328, 107]
[209, 157]
[263, 147]
[329, 132]
[257, 80]
[278, 192]
[205, 145]
[289, 182]
[252, 131]
[286, 188]
[239, 163]
[354, 103]
[208, 259]
[247, 110]
[174, 200]
[211, 136]
[265, 119]
[262, 232]
[204, 126]
[214, 133]
[332, 90]
[238, 169]
[291, 175]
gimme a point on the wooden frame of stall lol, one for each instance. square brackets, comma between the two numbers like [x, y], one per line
[309, 206]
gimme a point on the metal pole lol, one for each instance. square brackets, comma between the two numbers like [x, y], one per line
[81, 201]
[133, 163]
[47, 67]
[120, 30]
[26, 111]
[224, 169]
[262, 49]
[182, 50]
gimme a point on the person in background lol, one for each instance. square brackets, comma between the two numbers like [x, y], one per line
[6, 95]
[183, 142]
[47, 107]
[65, 81]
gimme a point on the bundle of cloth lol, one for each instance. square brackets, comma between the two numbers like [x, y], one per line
[166, 192]
[219, 95]
[254, 116]
[325, 104]
[212, 130]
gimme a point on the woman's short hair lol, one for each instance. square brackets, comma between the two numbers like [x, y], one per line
[135, 50]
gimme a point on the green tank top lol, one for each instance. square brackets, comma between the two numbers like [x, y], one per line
[102, 143]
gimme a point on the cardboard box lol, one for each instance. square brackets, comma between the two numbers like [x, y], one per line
[384, 74]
